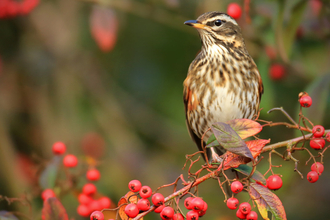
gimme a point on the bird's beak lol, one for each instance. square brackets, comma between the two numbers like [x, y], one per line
[195, 24]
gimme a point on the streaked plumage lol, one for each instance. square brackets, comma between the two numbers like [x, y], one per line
[223, 82]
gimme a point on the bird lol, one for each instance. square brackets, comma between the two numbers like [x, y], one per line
[223, 81]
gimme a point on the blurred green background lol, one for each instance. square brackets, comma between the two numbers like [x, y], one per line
[123, 104]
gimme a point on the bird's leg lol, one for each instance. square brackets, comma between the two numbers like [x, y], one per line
[214, 157]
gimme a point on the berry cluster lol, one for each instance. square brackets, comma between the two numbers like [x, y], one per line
[317, 142]
[244, 209]
[12, 8]
[316, 170]
[196, 205]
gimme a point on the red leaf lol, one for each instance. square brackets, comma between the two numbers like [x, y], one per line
[233, 160]
[103, 24]
[53, 210]
[267, 201]
[245, 127]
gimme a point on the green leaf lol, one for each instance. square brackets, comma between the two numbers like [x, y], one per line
[246, 170]
[245, 127]
[296, 16]
[53, 210]
[212, 141]
[230, 140]
[48, 176]
[267, 201]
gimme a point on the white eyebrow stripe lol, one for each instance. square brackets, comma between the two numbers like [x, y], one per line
[223, 18]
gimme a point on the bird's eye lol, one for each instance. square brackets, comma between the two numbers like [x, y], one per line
[217, 22]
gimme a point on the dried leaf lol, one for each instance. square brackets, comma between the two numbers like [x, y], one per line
[246, 170]
[267, 201]
[103, 24]
[53, 210]
[230, 140]
[245, 127]
[128, 198]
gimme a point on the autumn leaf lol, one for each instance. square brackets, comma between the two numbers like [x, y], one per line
[128, 198]
[245, 127]
[53, 210]
[267, 201]
[246, 170]
[230, 140]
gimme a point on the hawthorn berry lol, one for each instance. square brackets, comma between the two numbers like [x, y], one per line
[312, 176]
[89, 189]
[131, 210]
[327, 136]
[157, 199]
[317, 167]
[93, 175]
[145, 192]
[104, 202]
[178, 216]
[95, 205]
[97, 215]
[167, 213]
[47, 193]
[318, 131]
[70, 160]
[159, 209]
[276, 72]
[134, 185]
[143, 204]
[240, 215]
[187, 203]
[245, 208]
[317, 143]
[84, 199]
[232, 203]
[197, 204]
[83, 210]
[252, 216]
[274, 182]
[59, 148]
[234, 10]
[192, 215]
[305, 101]
[236, 186]
[203, 211]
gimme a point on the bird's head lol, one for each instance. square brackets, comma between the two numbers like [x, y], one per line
[218, 28]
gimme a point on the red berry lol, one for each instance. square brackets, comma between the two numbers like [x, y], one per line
[178, 216]
[232, 203]
[312, 176]
[317, 144]
[234, 10]
[145, 192]
[83, 210]
[327, 136]
[157, 199]
[167, 213]
[89, 189]
[187, 203]
[47, 193]
[276, 72]
[93, 175]
[192, 215]
[84, 199]
[236, 187]
[159, 209]
[97, 215]
[197, 204]
[240, 215]
[274, 182]
[318, 131]
[134, 185]
[131, 210]
[317, 167]
[95, 205]
[305, 101]
[104, 202]
[59, 148]
[143, 204]
[252, 216]
[70, 160]
[203, 211]
[245, 208]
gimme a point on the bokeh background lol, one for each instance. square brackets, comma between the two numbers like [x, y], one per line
[105, 77]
